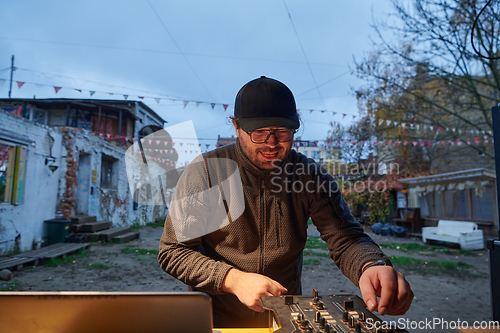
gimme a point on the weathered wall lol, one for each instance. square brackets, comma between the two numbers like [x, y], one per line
[22, 226]
[109, 204]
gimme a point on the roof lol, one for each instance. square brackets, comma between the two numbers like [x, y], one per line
[471, 174]
[113, 104]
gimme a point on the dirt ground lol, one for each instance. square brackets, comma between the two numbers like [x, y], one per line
[464, 297]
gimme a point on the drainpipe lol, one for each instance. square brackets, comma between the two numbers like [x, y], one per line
[494, 244]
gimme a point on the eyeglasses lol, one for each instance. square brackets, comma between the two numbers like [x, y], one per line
[261, 136]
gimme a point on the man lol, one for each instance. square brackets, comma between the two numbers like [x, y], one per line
[253, 246]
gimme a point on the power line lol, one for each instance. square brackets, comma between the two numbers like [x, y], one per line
[304, 53]
[180, 50]
[168, 52]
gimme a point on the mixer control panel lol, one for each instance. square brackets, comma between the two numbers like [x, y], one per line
[323, 314]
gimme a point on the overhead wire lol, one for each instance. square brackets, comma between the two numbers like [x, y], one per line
[167, 52]
[180, 50]
[304, 53]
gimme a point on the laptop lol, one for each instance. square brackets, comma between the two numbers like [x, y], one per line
[72, 311]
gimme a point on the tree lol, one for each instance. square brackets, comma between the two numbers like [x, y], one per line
[354, 140]
[428, 90]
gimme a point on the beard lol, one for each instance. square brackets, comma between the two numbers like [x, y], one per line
[266, 158]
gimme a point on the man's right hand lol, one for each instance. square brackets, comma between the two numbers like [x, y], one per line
[248, 287]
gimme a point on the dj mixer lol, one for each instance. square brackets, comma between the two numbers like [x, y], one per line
[326, 314]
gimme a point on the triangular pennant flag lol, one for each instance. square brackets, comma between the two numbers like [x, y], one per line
[429, 144]
[185, 104]
[57, 89]
[388, 122]
[166, 143]
[79, 90]
[443, 143]
[225, 106]
[158, 142]
[380, 121]
[197, 104]
[405, 143]
[415, 143]
[150, 141]
[476, 139]
[91, 93]
[213, 105]
[141, 97]
[343, 115]
[125, 96]
[353, 117]
[111, 94]
[157, 100]
[310, 111]
[19, 84]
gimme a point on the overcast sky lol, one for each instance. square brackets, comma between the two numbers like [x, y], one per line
[190, 51]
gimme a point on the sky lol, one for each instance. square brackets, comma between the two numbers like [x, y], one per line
[188, 59]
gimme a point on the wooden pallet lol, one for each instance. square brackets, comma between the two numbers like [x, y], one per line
[33, 258]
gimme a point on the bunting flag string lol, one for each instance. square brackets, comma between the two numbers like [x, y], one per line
[157, 99]
[425, 128]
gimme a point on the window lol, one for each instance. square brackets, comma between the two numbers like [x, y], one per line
[462, 199]
[482, 207]
[315, 154]
[448, 204]
[12, 167]
[109, 172]
[438, 204]
[424, 207]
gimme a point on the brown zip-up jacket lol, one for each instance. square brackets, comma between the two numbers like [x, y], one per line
[270, 235]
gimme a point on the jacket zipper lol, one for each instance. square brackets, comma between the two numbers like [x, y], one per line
[278, 223]
[262, 223]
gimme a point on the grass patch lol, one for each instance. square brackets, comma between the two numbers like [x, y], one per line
[139, 251]
[55, 262]
[97, 266]
[9, 286]
[311, 262]
[415, 247]
[314, 253]
[156, 224]
[433, 267]
[315, 243]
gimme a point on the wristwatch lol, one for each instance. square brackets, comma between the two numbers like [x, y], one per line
[379, 262]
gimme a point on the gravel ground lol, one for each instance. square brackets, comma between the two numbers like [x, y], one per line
[451, 297]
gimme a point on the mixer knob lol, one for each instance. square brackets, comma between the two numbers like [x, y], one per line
[357, 327]
[322, 322]
[320, 306]
[315, 293]
[288, 299]
[352, 321]
[345, 316]
[348, 305]
[362, 316]
[315, 300]
[317, 317]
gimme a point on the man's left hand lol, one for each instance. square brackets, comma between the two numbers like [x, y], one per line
[388, 284]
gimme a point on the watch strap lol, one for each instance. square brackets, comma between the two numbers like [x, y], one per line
[379, 262]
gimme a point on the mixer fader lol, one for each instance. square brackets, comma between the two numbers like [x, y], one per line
[322, 314]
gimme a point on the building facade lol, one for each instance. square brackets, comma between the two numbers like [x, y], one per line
[60, 158]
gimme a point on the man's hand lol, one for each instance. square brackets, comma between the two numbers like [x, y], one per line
[392, 288]
[248, 287]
